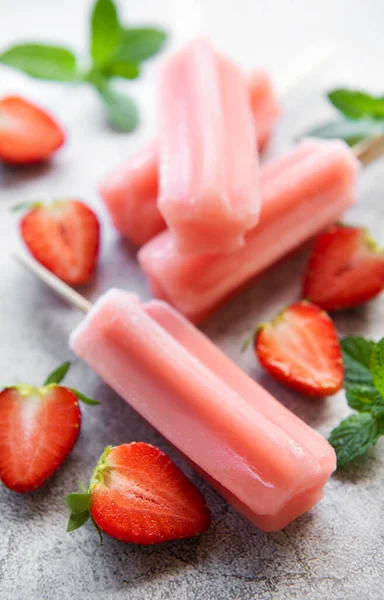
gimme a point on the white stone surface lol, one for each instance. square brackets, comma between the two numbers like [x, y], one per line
[336, 551]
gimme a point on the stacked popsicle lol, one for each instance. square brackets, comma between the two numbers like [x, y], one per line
[201, 179]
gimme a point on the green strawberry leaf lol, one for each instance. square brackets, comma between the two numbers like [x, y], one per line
[357, 353]
[348, 130]
[364, 399]
[377, 367]
[42, 61]
[105, 32]
[77, 520]
[98, 531]
[138, 44]
[78, 503]
[354, 436]
[121, 109]
[356, 104]
[248, 341]
[83, 398]
[58, 374]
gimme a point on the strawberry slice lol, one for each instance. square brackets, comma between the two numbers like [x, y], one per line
[27, 133]
[64, 237]
[346, 268]
[300, 347]
[138, 495]
[38, 428]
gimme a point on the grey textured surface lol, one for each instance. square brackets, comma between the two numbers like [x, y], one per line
[334, 552]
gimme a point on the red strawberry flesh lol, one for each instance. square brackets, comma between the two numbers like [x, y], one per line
[64, 237]
[140, 496]
[28, 134]
[38, 429]
[346, 268]
[301, 349]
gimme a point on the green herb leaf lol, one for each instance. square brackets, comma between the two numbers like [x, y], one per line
[42, 61]
[377, 366]
[356, 104]
[122, 69]
[58, 374]
[121, 109]
[84, 398]
[357, 353]
[105, 32]
[78, 503]
[139, 44]
[364, 399]
[77, 520]
[350, 131]
[354, 436]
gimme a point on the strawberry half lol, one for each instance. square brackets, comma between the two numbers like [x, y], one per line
[38, 428]
[300, 347]
[138, 495]
[27, 133]
[64, 237]
[346, 268]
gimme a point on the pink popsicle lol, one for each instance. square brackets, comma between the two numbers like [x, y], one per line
[130, 192]
[302, 193]
[208, 191]
[264, 459]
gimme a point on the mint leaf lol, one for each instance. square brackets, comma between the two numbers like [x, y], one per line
[84, 398]
[77, 520]
[42, 61]
[364, 399]
[122, 69]
[377, 366]
[354, 436]
[78, 503]
[58, 374]
[348, 130]
[356, 104]
[105, 32]
[357, 353]
[139, 44]
[121, 109]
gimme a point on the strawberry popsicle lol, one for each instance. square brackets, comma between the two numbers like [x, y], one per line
[264, 459]
[130, 192]
[302, 193]
[208, 165]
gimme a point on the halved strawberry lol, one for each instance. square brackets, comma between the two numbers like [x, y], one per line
[38, 428]
[138, 495]
[346, 268]
[64, 237]
[27, 133]
[300, 347]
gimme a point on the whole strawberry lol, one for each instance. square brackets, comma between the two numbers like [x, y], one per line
[138, 495]
[64, 237]
[346, 268]
[38, 428]
[300, 348]
[28, 134]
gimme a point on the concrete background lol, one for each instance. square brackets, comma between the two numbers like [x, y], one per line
[334, 552]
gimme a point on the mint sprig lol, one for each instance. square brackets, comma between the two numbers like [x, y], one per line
[116, 52]
[361, 116]
[364, 384]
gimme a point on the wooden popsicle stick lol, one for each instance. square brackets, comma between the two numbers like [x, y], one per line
[57, 285]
